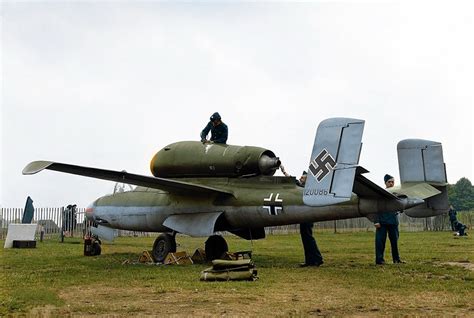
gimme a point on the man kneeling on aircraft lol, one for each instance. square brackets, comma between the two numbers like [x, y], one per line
[312, 255]
[217, 128]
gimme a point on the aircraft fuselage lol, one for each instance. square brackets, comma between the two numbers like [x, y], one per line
[257, 202]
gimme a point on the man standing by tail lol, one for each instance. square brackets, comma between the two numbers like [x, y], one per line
[386, 223]
[312, 255]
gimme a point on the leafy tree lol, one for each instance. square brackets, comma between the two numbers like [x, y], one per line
[461, 195]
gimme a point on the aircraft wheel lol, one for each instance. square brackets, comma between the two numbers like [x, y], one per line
[215, 247]
[96, 248]
[164, 244]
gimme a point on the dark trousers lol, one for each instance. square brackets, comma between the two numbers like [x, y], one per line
[312, 255]
[453, 226]
[381, 238]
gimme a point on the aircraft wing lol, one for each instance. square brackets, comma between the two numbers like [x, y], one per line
[124, 177]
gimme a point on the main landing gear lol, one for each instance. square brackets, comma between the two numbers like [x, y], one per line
[215, 247]
[165, 243]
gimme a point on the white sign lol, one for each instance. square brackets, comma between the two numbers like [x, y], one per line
[20, 232]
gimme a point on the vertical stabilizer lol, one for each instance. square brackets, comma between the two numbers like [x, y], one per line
[334, 160]
[421, 161]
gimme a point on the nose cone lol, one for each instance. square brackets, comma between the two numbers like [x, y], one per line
[90, 212]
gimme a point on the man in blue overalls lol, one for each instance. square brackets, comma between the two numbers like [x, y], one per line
[386, 223]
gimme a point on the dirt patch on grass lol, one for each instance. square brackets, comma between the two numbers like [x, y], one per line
[466, 265]
[296, 299]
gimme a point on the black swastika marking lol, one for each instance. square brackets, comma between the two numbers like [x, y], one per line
[322, 165]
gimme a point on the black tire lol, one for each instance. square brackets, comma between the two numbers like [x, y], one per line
[215, 247]
[96, 249]
[164, 244]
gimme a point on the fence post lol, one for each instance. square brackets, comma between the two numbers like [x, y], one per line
[62, 224]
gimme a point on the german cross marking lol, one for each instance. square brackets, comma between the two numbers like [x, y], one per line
[273, 207]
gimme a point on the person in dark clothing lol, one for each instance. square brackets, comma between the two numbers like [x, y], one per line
[312, 255]
[460, 228]
[452, 217]
[386, 223]
[301, 181]
[218, 129]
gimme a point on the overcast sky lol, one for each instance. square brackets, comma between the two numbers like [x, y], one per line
[108, 84]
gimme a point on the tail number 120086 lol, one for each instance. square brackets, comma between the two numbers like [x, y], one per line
[316, 192]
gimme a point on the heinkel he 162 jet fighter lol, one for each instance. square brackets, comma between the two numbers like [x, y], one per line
[199, 189]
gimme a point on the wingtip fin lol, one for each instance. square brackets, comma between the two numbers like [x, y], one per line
[36, 166]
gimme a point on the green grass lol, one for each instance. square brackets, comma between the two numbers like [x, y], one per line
[347, 283]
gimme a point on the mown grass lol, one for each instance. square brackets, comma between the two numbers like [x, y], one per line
[348, 282]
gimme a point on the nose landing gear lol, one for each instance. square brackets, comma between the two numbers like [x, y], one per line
[165, 243]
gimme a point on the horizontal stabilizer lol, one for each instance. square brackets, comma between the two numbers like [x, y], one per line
[416, 190]
[334, 160]
[169, 185]
[364, 188]
[193, 224]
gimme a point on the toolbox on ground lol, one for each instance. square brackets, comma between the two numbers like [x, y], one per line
[24, 244]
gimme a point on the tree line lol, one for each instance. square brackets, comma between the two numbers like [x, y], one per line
[461, 195]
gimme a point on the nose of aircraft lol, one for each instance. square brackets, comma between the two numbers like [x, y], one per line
[90, 212]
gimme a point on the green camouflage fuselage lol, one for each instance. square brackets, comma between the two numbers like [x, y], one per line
[257, 202]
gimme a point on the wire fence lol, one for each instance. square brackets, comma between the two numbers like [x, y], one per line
[407, 224]
[63, 223]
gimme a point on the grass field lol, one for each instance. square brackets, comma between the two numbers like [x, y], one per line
[56, 280]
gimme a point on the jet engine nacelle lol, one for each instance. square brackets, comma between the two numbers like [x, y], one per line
[195, 159]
